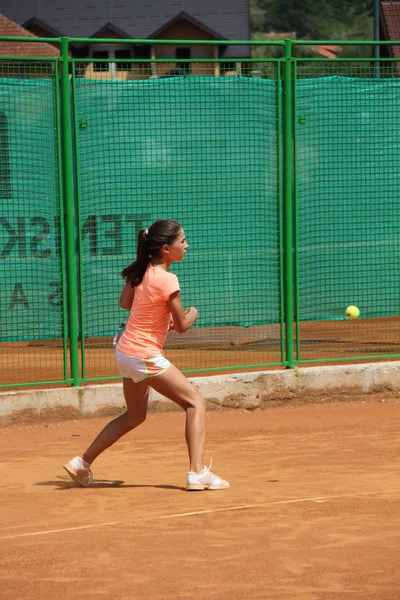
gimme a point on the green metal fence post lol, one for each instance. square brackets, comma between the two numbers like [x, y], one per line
[288, 202]
[69, 210]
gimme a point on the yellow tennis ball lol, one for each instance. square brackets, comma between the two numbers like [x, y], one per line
[352, 312]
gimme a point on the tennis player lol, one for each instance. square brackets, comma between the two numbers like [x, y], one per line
[152, 295]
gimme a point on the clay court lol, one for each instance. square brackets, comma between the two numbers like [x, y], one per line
[313, 511]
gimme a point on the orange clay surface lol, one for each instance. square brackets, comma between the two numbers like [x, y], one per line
[213, 348]
[313, 512]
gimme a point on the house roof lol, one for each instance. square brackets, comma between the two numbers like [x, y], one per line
[142, 19]
[10, 28]
[187, 17]
[390, 12]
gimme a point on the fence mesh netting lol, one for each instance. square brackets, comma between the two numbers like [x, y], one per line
[205, 151]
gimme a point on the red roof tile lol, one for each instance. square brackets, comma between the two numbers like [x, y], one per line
[391, 19]
[8, 27]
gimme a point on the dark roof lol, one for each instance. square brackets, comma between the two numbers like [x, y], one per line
[141, 19]
[391, 23]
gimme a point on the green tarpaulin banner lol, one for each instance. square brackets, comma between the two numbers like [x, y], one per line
[204, 151]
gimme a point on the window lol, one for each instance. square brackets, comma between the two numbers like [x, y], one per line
[184, 68]
[123, 54]
[142, 51]
[183, 53]
[109, 53]
[99, 67]
[227, 67]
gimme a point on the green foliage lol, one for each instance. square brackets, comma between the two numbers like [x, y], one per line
[292, 15]
[321, 20]
[257, 15]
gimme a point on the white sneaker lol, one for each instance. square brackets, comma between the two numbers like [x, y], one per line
[77, 470]
[205, 480]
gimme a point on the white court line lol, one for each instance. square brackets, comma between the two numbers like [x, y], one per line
[323, 498]
[204, 512]
[19, 535]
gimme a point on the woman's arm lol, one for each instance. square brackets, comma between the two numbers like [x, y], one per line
[183, 319]
[171, 323]
[126, 298]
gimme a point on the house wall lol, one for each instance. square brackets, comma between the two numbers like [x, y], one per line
[87, 70]
[184, 30]
[180, 30]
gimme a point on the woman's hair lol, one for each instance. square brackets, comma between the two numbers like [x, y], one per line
[149, 243]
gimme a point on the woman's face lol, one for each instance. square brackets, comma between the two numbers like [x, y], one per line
[178, 248]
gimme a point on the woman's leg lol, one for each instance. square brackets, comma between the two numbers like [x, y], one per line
[177, 388]
[136, 398]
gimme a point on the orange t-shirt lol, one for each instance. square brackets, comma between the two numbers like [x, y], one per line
[150, 315]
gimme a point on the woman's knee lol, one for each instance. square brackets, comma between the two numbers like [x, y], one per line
[196, 401]
[134, 419]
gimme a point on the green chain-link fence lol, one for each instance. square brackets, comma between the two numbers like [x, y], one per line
[283, 172]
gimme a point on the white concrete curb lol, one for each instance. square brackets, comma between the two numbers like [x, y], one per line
[240, 390]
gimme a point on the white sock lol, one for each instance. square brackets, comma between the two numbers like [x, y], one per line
[78, 463]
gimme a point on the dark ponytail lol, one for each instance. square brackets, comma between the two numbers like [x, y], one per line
[135, 271]
[149, 243]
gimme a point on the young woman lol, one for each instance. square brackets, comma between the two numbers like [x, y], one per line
[152, 295]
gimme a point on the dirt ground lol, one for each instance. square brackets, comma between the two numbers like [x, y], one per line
[313, 511]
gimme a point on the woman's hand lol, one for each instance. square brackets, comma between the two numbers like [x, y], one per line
[171, 322]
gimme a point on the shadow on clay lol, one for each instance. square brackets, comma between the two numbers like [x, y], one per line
[62, 483]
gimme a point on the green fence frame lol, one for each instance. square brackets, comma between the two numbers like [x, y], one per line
[287, 184]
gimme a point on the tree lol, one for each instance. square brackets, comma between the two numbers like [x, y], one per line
[315, 19]
[301, 16]
[318, 20]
